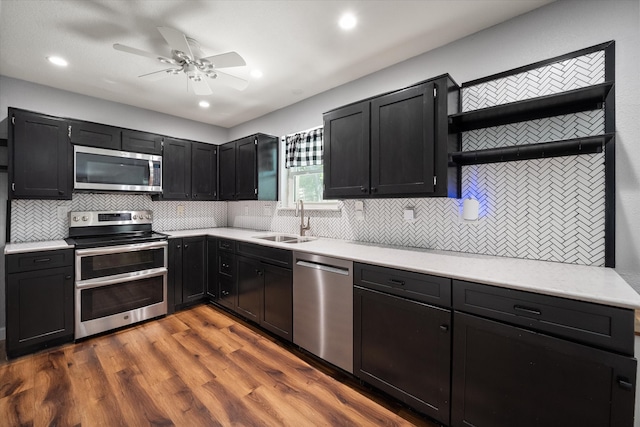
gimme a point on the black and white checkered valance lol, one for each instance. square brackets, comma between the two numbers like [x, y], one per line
[303, 148]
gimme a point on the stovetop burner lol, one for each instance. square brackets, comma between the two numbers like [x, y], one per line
[110, 228]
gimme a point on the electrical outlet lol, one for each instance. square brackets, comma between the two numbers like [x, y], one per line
[180, 210]
[62, 213]
[266, 210]
[246, 210]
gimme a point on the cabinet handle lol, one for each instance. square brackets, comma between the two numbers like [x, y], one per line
[186, 246]
[364, 190]
[186, 194]
[259, 272]
[396, 282]
[178, 246]
[527, 310]
[60, 193]
[624, 384]
[68, 277]
[444, 328]
[42, 260]
[225, 265]
[374, 190]
[225, 293]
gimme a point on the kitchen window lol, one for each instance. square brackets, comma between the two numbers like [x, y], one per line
[302, 171]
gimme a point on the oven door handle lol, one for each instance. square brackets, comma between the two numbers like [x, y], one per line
[122, 278]
[121, 248]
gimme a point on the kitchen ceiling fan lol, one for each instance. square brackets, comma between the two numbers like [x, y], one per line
[187, 58]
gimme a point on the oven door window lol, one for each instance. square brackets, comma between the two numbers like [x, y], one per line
[121, 262]
[113, 299]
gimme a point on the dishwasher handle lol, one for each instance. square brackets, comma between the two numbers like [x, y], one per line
[323, 267]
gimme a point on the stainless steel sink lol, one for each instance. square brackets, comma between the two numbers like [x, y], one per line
[283, 238]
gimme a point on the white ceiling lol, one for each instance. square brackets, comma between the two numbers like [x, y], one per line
[297, 45]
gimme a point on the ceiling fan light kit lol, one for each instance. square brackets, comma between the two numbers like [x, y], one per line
[187, 58]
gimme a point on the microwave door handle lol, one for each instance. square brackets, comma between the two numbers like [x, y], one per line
[151, 181]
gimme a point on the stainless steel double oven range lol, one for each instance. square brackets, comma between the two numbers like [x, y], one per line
[120, 268]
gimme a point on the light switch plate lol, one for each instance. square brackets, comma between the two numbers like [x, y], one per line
[409, 215]
[180, 210]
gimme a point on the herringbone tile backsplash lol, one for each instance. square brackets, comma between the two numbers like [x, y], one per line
[547, 209]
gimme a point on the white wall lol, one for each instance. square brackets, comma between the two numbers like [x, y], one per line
[56, 102]
[561, 27]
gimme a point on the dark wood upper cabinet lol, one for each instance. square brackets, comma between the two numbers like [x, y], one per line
[393, 145]
[176, 170]
[40, 157]
[203, 171]
[141, 142]
[346, 152]
[95, 135]
[227, 166]
[249, 168]
[246, 169]
[402, 142]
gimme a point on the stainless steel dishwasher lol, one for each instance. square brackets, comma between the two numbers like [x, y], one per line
[323, 307]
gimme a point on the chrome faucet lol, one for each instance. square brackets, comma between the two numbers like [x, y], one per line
[303, 227]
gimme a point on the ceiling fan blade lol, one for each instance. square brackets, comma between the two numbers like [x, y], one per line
[158, 75]
[176, 40]
[200, 85]
[225, 60]
[231, 81]
[135, 51]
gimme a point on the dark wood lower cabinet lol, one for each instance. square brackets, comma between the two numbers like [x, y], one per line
[403, 347]
[187, 272]
[265, 295]
[39, 309]
[509, 376]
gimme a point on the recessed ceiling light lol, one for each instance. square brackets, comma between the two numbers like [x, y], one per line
[60, 62]
[348, 21]
[256, 74]
[203, 104]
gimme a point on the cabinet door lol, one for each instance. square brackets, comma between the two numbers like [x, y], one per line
[174, 276]
[246, 169]
[203, 171]
[212, 272]
[141, 142]
[227, 165]
[404, 348]
[277, 308]
[403, 142]
[194, 271]
[176, 170]
[39, 309]
[508, 376]
[41, 157]
[346, 152]
[250, 283]
[95, 135]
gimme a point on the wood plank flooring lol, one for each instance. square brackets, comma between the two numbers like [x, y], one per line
[198, 367]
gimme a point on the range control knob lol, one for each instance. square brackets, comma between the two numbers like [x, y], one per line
[148, 216]
[135, 217]
[76, 219]
[85, 218]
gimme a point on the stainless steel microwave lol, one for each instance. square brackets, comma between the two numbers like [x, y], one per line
[97, 169]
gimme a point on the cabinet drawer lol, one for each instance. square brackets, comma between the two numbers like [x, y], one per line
[226, 245]
[275, 256]
[589, 323]
[225, 264]
[415, 286]
[39, 260]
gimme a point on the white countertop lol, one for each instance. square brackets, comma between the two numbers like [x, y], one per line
[50, 245]
[593, 284]
[585, 283]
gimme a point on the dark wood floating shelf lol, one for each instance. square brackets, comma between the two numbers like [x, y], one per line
[573, 101]
[567, 147]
